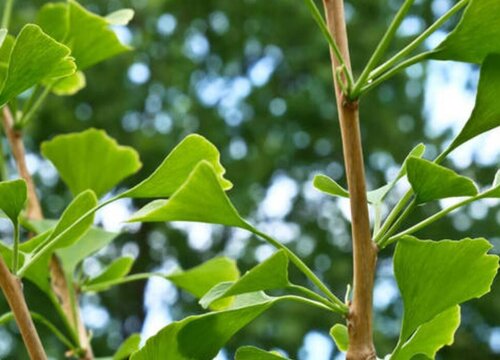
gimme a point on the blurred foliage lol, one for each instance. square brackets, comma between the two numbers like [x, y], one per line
[200, 66]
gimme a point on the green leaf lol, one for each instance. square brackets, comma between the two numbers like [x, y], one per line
[13, 196]
[378, 195]
[494, 190]
[201, 198]
[486, 113]
[71, 256]
[5, 50]
[3, 36]
[340, 336]
[200, 279]
[433, 182]
[116, 270]
[128, 347]
[88, 35]
[35, 57]
[81, 205]
[120, 17]
[431, 336]
[91, 160]
[475, 36]
[329, 186]
[436, 275]
[270, 274]
[176, 340]
[93, 241]
[53, 18]
[69, 85]
[177, 167]
[253, 353]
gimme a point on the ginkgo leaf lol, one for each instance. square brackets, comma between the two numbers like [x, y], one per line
[128, 347]
[35, 57]
[378, 195]
[88, 35]
[494, 190]
[176, 340]
[13, 196]
[433, 182]
[69, 85]
[91, 160]
[431, 336]
[340, 336]
[486, 113]
[5, 50]
[177, 167]
[268, 275]
[119, 268]
[475, 36]
[93, 241]
[200, 279]
[253, 353]
[53, 18]
[3, 36]
[79, 207]
[120, 17]
[329, 186]
[433, 276]
[201, 198]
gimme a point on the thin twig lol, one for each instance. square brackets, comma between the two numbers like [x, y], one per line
[364, 250]
[12, 289]
[19, 154]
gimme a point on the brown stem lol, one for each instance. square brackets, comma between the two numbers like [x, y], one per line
[13, 291]
[364, 251]
[34, 212]
[18, 152]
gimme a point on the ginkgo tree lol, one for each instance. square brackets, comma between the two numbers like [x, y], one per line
[434, 276]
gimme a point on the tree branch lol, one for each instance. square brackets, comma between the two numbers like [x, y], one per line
[12, 289]
[19, 154]
[364, 251]
[59, 283]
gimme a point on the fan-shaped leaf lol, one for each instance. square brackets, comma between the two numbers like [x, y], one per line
[69, 85]
[88, 35]
[176, 340]
[486, 113]
[120, 17]
[35, 57]
[340, 336]
[200, 279]
[432, 182]
[201, 199]
[431, 336]
[475, 36]
[436, 275]
[177, 167]
[270, 274]
[91, 160]
[253, 353]
[329, 186]
[128, 347]
[116, 270]
[13, 196]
